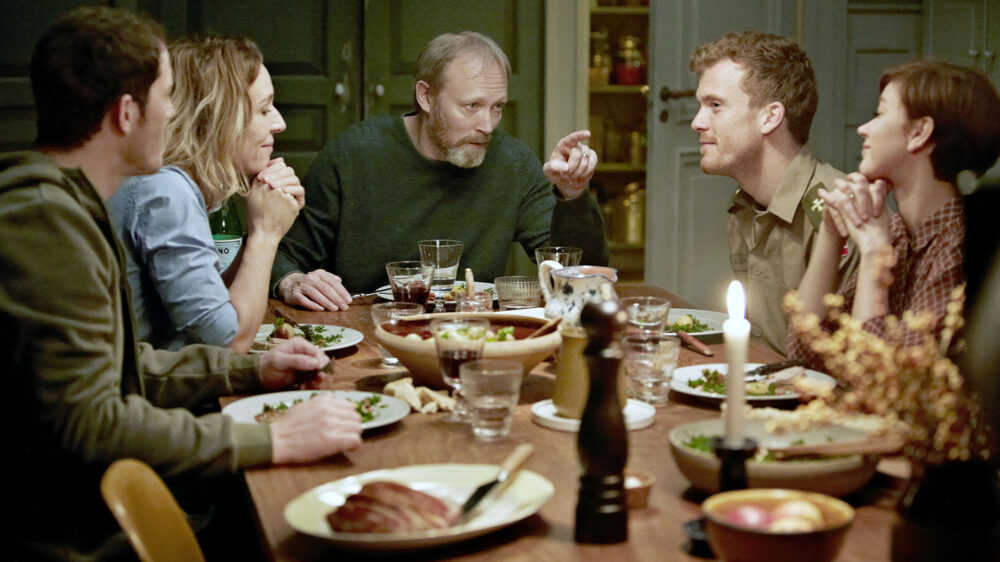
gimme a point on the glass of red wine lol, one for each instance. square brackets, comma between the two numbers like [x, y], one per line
[458, 341]
[410, 280]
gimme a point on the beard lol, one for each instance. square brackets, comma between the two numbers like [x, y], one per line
[459, 153]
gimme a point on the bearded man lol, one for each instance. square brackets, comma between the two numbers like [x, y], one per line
[441, 171]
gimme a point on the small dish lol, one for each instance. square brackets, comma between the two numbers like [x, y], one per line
[637, 485]
[638, 415]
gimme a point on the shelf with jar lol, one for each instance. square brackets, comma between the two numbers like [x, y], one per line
[618, 98]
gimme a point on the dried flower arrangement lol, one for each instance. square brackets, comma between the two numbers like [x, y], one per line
[917, 388]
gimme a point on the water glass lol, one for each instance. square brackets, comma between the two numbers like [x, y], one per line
[410, 280]
[458, 340]
[444, 256]
[492, 388]
[565, 255]
[386, 311]
[646, 313]
[649, 359]
[476, 302]
[515, 292]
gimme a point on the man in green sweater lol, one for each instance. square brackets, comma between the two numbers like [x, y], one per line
[79, 391]
[442, 171]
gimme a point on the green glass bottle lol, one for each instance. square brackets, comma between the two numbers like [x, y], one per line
[227, 231]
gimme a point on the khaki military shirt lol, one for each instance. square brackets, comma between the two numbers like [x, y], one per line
[769, 248]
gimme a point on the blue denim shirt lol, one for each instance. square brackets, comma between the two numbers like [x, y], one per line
[173, 268]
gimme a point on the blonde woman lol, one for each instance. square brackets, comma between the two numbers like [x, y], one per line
[219, 144]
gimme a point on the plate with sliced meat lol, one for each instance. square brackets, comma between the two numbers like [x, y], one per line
[413, 507]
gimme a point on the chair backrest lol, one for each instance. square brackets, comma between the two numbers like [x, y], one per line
[148, 513]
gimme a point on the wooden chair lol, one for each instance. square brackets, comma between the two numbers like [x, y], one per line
[148, 513]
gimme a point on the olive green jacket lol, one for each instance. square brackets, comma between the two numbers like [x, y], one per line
[81, 390]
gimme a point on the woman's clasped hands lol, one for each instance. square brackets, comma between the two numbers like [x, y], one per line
[857, 208]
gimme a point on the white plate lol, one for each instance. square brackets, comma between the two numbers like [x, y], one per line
[713, 319]
[638, 415]
[524, 496]
[245, 410]
[684, 374]
[385, 291]
[351, 337]
[537, 312]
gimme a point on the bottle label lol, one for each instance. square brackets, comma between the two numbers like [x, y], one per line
[227, 247]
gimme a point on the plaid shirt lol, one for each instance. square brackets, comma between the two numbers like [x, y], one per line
[928, 266]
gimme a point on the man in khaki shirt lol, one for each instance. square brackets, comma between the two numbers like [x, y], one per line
[757, 94]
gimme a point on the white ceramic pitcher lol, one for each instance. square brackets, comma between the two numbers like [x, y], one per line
[568, 289]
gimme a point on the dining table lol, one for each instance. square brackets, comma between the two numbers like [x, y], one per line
[655, 532]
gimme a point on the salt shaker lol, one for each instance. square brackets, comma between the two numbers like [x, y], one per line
[601, 510]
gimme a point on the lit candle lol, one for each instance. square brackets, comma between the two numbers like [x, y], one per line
[737, 333]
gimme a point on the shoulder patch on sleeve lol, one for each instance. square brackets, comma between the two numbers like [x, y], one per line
[812, 204]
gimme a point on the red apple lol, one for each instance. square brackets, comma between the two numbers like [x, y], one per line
[751, 516]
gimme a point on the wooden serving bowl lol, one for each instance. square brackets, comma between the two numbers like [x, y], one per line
[420, 355]
[731, 541]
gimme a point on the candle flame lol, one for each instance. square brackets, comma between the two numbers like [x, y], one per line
[736, 301]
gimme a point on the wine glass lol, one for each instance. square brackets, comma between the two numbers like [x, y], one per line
[444, 254]
[458, 341]
[385, 311]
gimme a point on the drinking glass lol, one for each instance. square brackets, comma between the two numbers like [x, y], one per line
[492, 388]
[565, 255]
[458, 340]
[649, 359]
[518, 291]
[385, 311]
[476, 302]
[444, 255]
[646, 313]
[410, 280]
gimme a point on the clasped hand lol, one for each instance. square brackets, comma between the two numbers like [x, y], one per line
[857, 208]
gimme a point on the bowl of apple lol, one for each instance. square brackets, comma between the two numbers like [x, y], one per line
[775, 524]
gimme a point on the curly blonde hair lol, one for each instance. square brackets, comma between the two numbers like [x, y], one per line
[212, 78]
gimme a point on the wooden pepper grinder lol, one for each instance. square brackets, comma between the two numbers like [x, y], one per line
[601, 511]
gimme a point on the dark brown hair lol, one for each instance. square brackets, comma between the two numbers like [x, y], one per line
[83, 63]
[777, 70]
[965, 109]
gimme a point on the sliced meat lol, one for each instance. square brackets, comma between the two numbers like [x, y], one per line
[389, 507]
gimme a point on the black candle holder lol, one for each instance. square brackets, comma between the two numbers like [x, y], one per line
[733, 463]
[732, 476]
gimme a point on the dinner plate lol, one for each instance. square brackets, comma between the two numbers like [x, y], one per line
[682, 375]
[638, 415]
[388, 410]
[712, 318]
[385, 291]
[524, 496]
[349, 336]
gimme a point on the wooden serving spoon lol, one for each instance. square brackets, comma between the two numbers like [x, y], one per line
[882, 445]
[544, 328]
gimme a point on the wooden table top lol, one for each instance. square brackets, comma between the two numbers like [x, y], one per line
[655, 532]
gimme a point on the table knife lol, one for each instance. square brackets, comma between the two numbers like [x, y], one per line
[510, 466]
[773, 368]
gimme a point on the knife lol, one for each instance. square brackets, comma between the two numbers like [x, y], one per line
[773, 368]
[510, 466]
[306, 330]
[694, 343]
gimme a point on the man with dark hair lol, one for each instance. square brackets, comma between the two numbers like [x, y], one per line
[757, 93]
[80, 392]
[442, 171]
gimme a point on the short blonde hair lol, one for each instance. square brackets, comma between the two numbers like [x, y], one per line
[212, 79]
[443, 49]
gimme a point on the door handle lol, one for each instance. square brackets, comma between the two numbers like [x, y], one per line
[666, 94]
